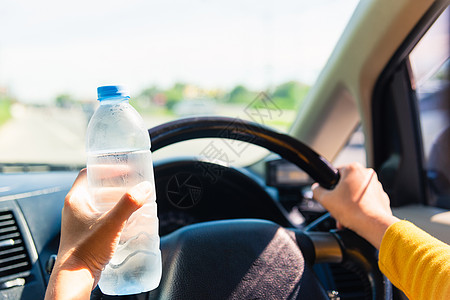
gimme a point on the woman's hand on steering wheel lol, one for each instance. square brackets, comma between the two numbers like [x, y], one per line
[358, 202]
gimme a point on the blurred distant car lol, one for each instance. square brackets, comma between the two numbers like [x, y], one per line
[194, 107]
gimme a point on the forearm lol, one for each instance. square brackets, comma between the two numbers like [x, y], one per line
[416, 262]
[373, 229]
[69, 282]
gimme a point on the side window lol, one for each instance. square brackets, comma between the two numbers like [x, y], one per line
[430, 80]
[353, 151]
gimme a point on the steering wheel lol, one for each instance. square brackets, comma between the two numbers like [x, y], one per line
[251, 258]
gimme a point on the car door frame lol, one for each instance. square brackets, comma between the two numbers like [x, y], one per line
[397, 139]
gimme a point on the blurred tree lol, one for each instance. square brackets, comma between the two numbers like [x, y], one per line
[290, 95]
[174, 94]
[240, 94]
[64, 101]
[5, 109]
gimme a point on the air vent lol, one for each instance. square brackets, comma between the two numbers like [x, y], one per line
[13, 255]
[350, 282]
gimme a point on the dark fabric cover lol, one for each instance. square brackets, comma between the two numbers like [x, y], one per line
[238, 259]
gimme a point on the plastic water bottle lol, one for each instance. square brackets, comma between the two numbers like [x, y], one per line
[119, 157]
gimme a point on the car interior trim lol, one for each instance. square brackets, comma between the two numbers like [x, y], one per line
[356, 69]
[326, 246]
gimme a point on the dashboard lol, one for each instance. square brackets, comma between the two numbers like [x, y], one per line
[30, 221]
[188, 191]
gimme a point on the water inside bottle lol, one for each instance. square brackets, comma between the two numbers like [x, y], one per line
[110, 175]
[136, 264]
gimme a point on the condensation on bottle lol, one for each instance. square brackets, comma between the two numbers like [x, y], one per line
[118, 158]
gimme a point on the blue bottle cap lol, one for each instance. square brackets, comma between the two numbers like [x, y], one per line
[112, 91]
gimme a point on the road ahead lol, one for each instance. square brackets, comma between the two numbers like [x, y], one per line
[48, 135]
[44, 135]
[57, 136]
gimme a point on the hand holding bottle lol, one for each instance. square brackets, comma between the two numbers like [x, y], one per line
[89, 238]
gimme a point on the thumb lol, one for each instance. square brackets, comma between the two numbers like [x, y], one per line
[131, 201]
[318, 192]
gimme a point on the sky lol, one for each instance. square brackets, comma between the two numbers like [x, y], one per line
[53, 47]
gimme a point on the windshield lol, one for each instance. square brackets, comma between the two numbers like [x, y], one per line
[254, 60]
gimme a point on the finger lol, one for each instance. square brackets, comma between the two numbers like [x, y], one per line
[374, 175]
[80, 181]
[131, 201]
[344, 171]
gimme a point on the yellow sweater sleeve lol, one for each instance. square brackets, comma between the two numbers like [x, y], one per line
[415, 262]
